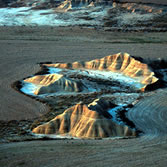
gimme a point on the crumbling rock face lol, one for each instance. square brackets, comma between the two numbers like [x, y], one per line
[85, 122]
[121, 63]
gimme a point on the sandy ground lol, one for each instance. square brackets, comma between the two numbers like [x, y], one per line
[21, 49]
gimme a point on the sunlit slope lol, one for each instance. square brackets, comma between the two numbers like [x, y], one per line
[75, 77]
[83, 122]
[121, 63]
[52, 83]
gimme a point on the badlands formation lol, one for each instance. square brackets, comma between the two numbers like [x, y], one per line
[121, 63]
[100, 14]
[101, 118]
[83, 122]
[54, 83]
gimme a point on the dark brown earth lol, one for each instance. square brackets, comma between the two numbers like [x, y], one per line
[161, 2]
[141, 152]
[22, 48]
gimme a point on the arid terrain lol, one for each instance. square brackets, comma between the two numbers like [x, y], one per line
[145, 1]
[21, 51]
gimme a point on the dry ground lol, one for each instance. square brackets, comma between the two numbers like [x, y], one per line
[141, 152]
[21, 49]
[163, 2]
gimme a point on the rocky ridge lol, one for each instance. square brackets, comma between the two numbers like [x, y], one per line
[85, 122]
[121, 63]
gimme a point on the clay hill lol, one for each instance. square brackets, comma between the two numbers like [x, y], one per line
[121, 63]
[54, 83]
[85, 121]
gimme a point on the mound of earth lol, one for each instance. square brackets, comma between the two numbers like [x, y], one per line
[121, 63]
[82, 121]
[54, 83]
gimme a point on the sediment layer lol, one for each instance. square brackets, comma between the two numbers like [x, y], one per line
[52, 83]
[121, 63]
[80, 121]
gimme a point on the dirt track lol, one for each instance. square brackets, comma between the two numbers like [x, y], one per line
[21, 50]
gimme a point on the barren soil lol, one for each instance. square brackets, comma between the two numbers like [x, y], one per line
[163, 2]
[22, 48]
[102, 153]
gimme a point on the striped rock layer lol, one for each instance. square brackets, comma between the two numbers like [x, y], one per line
[52, 83]
[121, 63]
[82, 122]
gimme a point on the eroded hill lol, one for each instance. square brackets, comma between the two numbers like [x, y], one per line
[95, 95]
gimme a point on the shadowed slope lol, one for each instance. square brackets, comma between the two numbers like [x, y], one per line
[80, 121]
